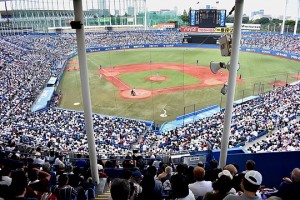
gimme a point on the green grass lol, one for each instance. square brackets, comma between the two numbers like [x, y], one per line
[174, 79]
[255, 69]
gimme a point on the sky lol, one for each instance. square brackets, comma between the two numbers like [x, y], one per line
[272, 7]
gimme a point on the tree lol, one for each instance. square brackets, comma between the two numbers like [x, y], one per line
[245, 20]
[290, 22]
[229, 19]
[185, 17]
[264, 20]
[257, 21]
[276, 21]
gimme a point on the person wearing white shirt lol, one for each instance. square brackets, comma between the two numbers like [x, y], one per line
[200, 187]
[5, 179]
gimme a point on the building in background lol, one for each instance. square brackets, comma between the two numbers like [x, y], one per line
[257, 14]
[48, 15]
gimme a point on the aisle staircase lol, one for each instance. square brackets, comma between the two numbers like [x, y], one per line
[104, 196]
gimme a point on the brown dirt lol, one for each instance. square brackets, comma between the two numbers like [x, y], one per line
[140, 94]
[278, 83]
[157, 78]
[205, 76]
[296, 76]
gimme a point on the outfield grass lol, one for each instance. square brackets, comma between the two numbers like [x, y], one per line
[256, 70]
[174, 78]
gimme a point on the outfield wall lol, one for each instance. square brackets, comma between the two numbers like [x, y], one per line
[254, 50]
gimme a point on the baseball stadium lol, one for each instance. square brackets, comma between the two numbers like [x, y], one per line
[104, 99]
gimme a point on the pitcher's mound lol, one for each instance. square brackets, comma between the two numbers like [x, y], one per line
[140, 94]
[157, 78]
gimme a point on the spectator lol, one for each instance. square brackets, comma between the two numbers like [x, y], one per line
[120, 189]
[221, 187]
[201, 186]
[148, 185]
[136, 179]
[212, 173]
[250, 183]
[168, 174]
[39, 183]
[180, 188]
[5, 176]
[290, 187]
[157, 191]
[47, 168]
[250, 165]
[63, 191]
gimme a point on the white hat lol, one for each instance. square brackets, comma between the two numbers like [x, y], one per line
[100, 167]
[253, 177]
[38, 154]
[226, 173]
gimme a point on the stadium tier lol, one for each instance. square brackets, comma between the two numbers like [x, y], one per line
[34, 129]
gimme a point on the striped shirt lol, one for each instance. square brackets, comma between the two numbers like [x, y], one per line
[64, 193]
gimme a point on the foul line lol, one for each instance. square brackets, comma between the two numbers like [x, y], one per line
[108, 72]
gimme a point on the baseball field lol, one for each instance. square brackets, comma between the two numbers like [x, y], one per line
[175, 79]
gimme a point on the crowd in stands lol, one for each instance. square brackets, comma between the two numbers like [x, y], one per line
[200, 182]
[249, 120]
[37, 175]
[274, 42]
[26, 64]
[124, 38]
[286, 138]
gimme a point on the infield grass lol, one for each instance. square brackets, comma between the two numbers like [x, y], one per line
[174, 78]
[257, 71]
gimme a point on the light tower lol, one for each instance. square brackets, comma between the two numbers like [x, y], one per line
[283, 21]
[297, 18]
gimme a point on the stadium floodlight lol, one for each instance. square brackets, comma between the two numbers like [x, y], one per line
[216, 66]
[76, 24]
[225, 44]
[224, 89]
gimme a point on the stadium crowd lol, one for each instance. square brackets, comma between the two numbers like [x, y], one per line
[26, 64]
[249, 120]
[35, 176]
[124, 38]
[274, 42]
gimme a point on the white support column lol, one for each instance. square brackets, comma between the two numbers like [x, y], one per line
[134, 10]
[78, 11]
[145, 16]
[283, 21]
[231, 79]
[297, 18]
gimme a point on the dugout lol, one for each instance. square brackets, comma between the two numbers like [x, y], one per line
[202, 38]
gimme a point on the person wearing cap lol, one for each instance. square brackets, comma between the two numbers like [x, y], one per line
[236, 182]
[135, 179]
[101, 172]
[250, 183]
[222, 186]
[250, 165]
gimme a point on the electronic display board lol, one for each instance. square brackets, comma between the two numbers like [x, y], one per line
[208, 18]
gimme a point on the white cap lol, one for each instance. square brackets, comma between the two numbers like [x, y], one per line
[253, 177]
[226, 173]
[100, 167]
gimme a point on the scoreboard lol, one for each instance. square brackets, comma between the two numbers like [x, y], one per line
[208, 18]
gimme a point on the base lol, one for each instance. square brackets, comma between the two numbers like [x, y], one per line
[163, 115]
